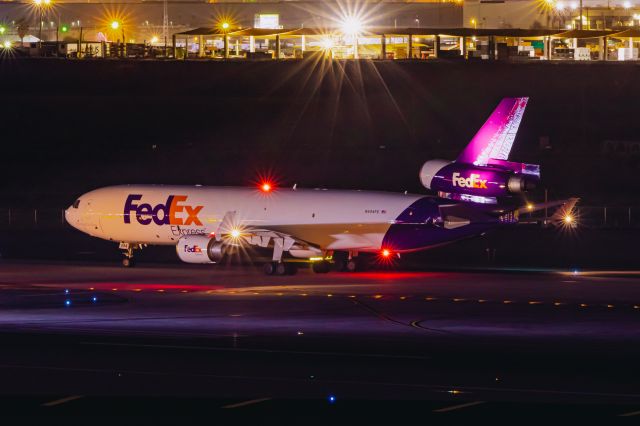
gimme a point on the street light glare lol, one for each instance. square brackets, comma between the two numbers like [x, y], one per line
[6, 44]
[327, 43]
[115, 25]
[225, 25]
[351, 25]
[154, 39]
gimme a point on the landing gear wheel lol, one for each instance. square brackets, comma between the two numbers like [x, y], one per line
[128, 262]
[320, 267]
[340, 265]
[281, 268]
[352, 265]
[292, 268]
[269, 268]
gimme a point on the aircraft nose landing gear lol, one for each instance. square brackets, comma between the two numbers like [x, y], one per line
[127, 249]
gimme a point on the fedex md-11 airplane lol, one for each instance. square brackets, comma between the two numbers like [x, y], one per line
[206, 224]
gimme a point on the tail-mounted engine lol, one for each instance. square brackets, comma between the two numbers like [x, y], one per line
[469, 182]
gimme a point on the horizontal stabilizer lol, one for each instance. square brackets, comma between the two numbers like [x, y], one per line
[567, 207]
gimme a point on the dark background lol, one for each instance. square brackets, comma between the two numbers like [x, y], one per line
[72, 126]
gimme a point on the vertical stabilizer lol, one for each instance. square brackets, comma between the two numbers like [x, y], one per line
[495, 138]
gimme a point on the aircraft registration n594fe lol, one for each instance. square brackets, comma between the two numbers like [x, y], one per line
[208, 223]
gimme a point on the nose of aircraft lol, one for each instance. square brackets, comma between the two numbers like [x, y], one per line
[72, 217]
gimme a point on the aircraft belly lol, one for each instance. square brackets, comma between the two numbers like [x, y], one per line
[338, 236]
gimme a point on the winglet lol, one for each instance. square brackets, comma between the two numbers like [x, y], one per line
[495, 138]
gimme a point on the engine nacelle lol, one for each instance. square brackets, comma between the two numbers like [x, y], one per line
[484, 181]
[199, 249]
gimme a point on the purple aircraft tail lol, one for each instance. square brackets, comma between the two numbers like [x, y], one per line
[495, 138]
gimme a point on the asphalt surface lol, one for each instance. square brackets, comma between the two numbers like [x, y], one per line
[173, 341]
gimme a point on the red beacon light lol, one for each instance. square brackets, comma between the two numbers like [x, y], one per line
[385, 253]
[266, 187]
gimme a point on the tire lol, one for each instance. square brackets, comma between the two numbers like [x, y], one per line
[128, 262]
[292, 268]
[340, 265]
[320, 267]
[352, 265]
[281, 268]
[268, 268]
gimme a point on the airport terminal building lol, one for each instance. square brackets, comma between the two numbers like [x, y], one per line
[486, 29]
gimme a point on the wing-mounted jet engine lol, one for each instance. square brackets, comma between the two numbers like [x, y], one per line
[482, 172]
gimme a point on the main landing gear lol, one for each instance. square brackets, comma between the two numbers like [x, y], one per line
[342, 262]
[279, 268]
[127, 249]
[349, 263]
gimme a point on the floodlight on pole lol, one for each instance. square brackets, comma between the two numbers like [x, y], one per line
[351, 25]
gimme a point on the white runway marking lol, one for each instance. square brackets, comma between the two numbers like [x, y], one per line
[61, 401]
[633, 413]
[458, 407]
[245, 403]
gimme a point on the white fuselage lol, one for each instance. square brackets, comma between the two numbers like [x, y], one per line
[328, 219]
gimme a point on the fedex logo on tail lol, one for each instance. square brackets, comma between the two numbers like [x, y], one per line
[173, 212]
[472, 181]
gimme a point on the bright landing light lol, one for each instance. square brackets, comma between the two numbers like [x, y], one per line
[351, 25]
[235, 233]
[568, 219]
[6, 44]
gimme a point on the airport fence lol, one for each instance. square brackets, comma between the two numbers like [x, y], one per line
[588, 216]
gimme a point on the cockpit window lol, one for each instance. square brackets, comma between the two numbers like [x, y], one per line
[76, 203]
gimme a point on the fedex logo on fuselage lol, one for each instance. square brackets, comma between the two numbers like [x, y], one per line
[472, 181]
[173, 212]
[192, 249]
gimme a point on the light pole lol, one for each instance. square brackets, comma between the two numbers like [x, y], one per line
[114, 26]
[41, 5]
[580, 18]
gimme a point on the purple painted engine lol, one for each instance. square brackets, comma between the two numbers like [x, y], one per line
[490, 181]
